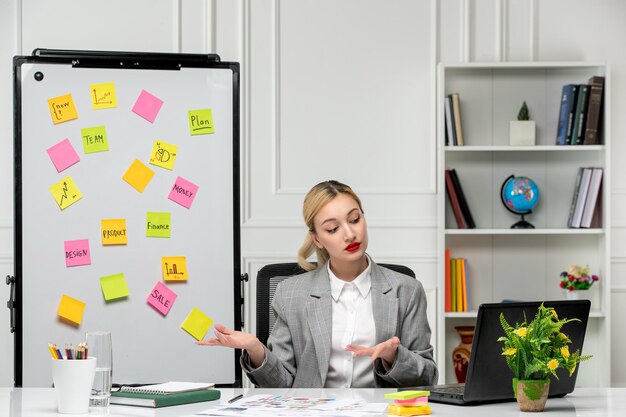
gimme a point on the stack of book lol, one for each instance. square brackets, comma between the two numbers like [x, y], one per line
[408, 403]
[580, 113]
[456, 284]
[166, 394]
[453, 128]
[586, 208]
[462, 214]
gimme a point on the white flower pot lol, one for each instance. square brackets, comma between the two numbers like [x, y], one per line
[522, 132]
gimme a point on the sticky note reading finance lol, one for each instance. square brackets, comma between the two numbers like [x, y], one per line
[62, 109]
[183, 192]
[114, 232]
[71, 309]
[163, 154]
[63, 155]
[147, 106]
[161, 298]
[157, 224]
[65, 193]
[138, 175]
[103, 96]
[174, 268]
[94, 139]
[197, 324]
[77, 252]
[114, 287]
[201, 122]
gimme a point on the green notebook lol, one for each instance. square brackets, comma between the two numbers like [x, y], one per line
[163, 400]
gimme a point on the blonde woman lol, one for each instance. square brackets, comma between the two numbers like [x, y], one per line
[348, 322]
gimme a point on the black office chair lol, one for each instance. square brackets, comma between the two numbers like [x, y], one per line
[266, 281]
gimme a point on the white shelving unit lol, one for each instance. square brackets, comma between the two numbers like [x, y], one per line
[520, 264]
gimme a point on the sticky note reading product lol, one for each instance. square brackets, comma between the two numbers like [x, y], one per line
[103, 96]
[114, 232]
[63, 155]
[77, 252]
[94, 139]
[161, 298]
[71, 309]
[183, 192]
[114, 287]
[157, 224]
[147, 106]
[62, 109]
[197, 324]
[174, 268]
[201, 122]
[138, 175]
[163, 154]
[65, 192]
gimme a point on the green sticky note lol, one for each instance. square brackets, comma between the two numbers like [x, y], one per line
[197, 324]
[94, 139]
[114, 287]
[407, 395]
[157, 224]
[201, 122]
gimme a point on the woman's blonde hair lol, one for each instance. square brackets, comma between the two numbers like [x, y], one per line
[316, 198]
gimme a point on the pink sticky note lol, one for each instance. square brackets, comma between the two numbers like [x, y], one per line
[147, 106]
[77, 252]
[183, 192]
[161, 298]
[63, 155]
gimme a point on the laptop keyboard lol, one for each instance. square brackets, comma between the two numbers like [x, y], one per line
[450, 389]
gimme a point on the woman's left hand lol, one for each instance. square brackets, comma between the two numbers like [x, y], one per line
[386, 350]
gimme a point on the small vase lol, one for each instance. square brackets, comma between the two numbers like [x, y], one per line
[577, 295]
[531, 395]
[461, 353]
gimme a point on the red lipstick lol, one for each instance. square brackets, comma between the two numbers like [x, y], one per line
[353, 246]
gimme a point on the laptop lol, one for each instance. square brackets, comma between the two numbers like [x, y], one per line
[489, 379]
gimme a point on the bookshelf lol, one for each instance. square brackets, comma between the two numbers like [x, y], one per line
[520, 264]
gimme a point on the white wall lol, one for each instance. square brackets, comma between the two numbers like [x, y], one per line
[332, 89]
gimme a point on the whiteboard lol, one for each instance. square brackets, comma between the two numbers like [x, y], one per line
[148, 346]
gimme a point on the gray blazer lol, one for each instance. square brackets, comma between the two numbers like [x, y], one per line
[298, 350]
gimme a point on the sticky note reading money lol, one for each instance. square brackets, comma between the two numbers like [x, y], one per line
[183, 192]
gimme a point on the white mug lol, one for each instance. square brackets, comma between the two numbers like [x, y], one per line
[72, 383]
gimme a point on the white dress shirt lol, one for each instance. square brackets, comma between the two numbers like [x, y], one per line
[353, 322]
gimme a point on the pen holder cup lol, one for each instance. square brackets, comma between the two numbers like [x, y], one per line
[73, 380]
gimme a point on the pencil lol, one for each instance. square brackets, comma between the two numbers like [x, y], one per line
[56, 348]
[52, 352]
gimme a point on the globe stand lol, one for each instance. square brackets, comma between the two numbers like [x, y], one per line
[522, 224]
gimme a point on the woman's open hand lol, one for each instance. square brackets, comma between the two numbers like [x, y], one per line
[237, 340]
[386, 350]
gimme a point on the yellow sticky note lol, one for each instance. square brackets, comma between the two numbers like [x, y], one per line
[174, 268]
[163, 154]
[103, 96]
[138, 175]
[65, 192]
[201, 122]
[197, 324]
[398, 410]
[114, 232]
[62, 109]
[158, 224]
[114, 287]
[71, 309]
[407, 395]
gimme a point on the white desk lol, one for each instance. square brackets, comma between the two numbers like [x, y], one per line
[41, 402]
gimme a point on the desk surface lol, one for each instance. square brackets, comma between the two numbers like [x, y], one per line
[41, 402]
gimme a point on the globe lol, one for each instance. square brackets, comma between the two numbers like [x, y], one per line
[520, 195]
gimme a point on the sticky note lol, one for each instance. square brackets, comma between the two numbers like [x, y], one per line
[62, 109]
[77, 252]
[114, 287]
[412, 401]
[201, 122]
[138, 175]
[157, 224]
[197, 324]
[161, 298]
[183, 192]
[398, 410]
[71, 309]
[114, 232]
[406, 395]
[94, 139]
[103, 96]
[163, 154]
[65, 192]
[174, 268]
[147, 106]
[63, 155]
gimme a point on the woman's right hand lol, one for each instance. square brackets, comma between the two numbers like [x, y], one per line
[237, 340]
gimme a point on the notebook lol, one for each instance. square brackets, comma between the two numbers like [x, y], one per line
[142, 399]
[489, 379]
[170, 387]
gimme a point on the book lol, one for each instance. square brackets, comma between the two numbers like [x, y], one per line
[580, 115]
[575, 196]
[168, 387]
[583, 189]
[453, 285]
[449, 116]
[568, 101]
[142, 399]
[454, 200]
[592, 197]
[456, 111]
[594, 111]
[447, 280]
[465, 210]
[459, 285]
[464, 284]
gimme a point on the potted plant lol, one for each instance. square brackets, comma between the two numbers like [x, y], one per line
[576, 280]
[534, 351]
[522, 130]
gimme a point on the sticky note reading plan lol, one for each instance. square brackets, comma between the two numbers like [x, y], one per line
[103, 96]
[157, 224]
[147, 106]
[163, 154]
[161, 298]
[138, 175]
[114, 232]
[62, 109]
[63, 155]
[174, 268]
[114, 287]
[65, 192]
[201, 122]
[183, 192]
[197, 324]
[77, 252]
[94, 139]
[71, 309]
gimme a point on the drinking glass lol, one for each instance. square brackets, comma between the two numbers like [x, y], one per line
[100, 347]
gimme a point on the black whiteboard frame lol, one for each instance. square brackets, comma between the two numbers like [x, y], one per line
[129, 61]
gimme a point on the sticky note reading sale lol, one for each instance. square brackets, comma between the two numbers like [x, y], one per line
[161, 298]
[94, 139]
[114, 232]
[147, 106]
[103, 96]
[62, 109]
[77, 252]
[138, 175]
[183, 192]
[174, 268]
[201, 122]
[71, 309]
[157, 224]
[197, 324]
[163, 154]
[63, 155]
[114, 287]
[65, 192]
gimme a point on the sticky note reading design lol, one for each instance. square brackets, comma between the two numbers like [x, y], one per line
[147, 106]
[94, 139]
[161, 298]
[63, 155]
[201, 122]
[65, 192]
[114, 232]
[77, 252]
[157, 224]
[138, 175]
[103, 96]
[163, 154]
[174, 268]
[71, 309]
[62, 109]
[183, 192]
[197, 324]
[114, 287]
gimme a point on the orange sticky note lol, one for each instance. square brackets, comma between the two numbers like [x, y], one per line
[197, 324]
[71, 309]
[62, 109]
[174, 268]
[114, 232]
[138, 175]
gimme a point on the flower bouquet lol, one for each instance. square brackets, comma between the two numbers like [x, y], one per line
[577, 278]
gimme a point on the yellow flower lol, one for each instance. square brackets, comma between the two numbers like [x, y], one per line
[563, 336]
[556, 316]
[565, 352]
[510, 352]
[521, 332]
[553, 364]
